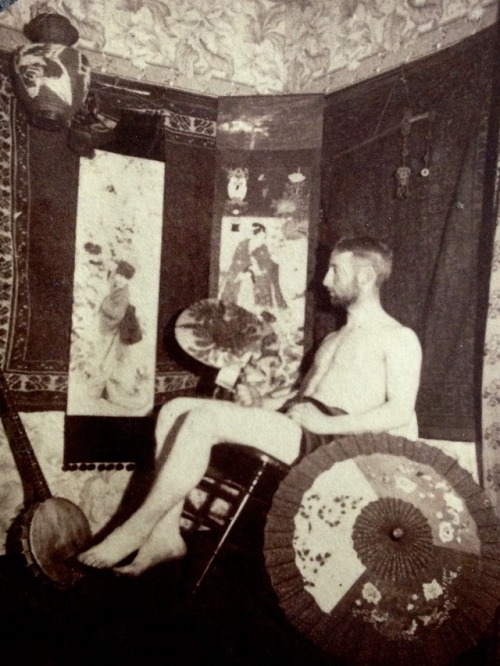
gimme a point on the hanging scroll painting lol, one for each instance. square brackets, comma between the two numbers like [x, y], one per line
[266, 214]
[116, 286]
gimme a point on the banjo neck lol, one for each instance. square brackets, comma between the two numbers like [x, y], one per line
[35, 486]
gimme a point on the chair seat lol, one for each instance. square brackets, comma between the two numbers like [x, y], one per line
[236, 475]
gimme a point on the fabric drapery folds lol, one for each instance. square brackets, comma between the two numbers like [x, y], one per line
[436, 232]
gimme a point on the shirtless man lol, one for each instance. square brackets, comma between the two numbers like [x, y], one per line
[370, 369]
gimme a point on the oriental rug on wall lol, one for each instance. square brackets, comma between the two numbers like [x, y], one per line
[39, 181]
[266, 212]
[36, 251]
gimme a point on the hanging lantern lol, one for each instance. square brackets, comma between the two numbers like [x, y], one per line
[51, 78]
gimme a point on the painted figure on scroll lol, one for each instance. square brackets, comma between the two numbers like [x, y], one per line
[252, 280]
[365, 378]
[111, 372]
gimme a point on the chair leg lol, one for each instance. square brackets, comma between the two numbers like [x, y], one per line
[243, 502]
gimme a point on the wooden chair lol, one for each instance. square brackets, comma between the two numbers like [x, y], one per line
[237, 476]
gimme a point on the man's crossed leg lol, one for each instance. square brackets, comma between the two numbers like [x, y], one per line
[153, 530]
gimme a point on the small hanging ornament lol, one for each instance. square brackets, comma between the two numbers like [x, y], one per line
[403, 172]
[428, 140]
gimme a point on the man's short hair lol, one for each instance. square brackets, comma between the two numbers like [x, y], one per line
[125, 269]
[377, 253]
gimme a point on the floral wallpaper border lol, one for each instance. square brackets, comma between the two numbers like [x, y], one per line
[238, 47]
[490, 394]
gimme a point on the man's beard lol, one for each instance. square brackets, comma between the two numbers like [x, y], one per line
[344, 300]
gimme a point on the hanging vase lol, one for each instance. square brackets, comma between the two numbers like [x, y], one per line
[51, 78]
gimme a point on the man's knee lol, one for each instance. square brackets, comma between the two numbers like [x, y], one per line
[167, 417]
[172, 409]
[204, 422]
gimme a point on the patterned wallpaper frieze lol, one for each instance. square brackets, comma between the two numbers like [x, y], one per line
[355, 39]
[259, 46]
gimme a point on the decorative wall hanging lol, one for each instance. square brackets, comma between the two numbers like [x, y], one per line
[403, 172]
[266, 211]
[51, 78]
[40, 181]
[36, 261]
[117, 267]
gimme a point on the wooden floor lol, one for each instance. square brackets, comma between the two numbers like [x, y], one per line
[154, 620]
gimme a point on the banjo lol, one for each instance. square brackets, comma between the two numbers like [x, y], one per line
[50, 531]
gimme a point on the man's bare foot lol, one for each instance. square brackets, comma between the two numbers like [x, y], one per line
[159, 547]
[123, 541]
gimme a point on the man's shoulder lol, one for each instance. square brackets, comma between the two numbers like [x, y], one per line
[400, 335]
[330, 338]
[328, 343]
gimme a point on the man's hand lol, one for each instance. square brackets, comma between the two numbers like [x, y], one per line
[247, 396]
[309, 417]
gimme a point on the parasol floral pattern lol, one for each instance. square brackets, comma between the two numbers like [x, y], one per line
[422, 606]
[388, 539]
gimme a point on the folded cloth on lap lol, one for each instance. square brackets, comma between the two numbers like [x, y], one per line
[311, 441]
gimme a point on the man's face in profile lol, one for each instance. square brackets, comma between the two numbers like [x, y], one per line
[341, 279]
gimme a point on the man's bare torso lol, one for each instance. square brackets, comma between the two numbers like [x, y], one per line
[352, 366]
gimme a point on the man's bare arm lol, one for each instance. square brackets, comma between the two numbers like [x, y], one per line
[403, 364]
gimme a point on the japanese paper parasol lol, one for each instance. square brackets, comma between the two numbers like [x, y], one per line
[384, 551]
[219, 334]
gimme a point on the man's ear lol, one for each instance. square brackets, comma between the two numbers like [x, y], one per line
[366, 275]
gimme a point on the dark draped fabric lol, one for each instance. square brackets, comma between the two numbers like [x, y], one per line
[436, 231]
